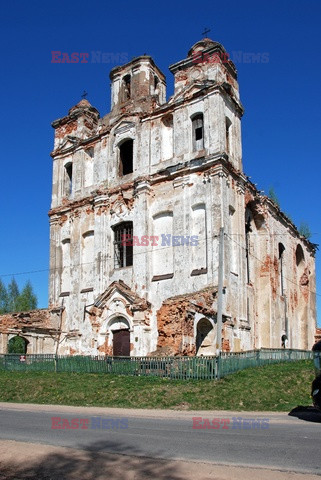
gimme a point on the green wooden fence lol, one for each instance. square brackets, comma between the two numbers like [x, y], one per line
[317, 362]
[181, 368]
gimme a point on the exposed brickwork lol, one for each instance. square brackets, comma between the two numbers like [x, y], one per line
[23, 320]
[175, 320]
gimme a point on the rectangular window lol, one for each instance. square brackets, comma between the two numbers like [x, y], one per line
[123, 245]
[126, 157]
[68, 180]
[198, 132]
[87, 257]
[198, 254]
[162, 254]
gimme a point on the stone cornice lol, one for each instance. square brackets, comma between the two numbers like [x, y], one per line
[168, 107]
[277, 213]
[210, 163]
[119, 69]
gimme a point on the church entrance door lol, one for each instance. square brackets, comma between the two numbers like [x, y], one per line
[121, 343]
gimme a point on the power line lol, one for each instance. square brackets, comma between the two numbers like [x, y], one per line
[50, 270]
[144, 252]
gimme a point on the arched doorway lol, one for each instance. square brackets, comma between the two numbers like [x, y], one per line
[205, 338]
[18, 344]
[119, 327]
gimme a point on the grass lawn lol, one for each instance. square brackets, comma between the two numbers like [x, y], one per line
[278, 387]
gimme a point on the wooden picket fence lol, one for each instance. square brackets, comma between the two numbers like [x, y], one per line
[179, 368]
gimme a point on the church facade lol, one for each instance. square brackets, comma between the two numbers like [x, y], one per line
[138, 200]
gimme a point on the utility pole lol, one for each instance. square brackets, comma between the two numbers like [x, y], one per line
[220, 301]
[286, 322]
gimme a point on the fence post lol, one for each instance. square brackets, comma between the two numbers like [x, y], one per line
[317, 362]
[218, 366]
[258, 360]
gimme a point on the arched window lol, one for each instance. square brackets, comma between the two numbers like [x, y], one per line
[156, 82]
[126, 157]
[123, 245]
[68, 179]
[228, 124]
[205, 338]
[18, 345]
[127, 87]
[167, 136]
[198, 132]
[248, 230]
[65, 274]
[254, 222]
[299, 255]
[281, 260]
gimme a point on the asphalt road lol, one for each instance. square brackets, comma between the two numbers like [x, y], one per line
[287, 444]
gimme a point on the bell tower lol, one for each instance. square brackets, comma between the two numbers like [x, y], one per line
[138, 81]
[208, 70]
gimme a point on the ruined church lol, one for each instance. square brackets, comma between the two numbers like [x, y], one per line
[138, 199]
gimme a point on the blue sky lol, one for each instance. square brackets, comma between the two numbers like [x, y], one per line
[281, 125]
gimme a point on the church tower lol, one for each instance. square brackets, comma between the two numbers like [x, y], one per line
[137, 83]
[208, 66]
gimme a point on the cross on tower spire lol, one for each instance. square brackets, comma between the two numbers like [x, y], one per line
[84, 95]
[206, 31]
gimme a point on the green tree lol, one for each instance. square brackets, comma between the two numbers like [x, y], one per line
[273, 196]
[13, 295]
[4, 307]
[304, 230]
[12, 300]
[27, 299]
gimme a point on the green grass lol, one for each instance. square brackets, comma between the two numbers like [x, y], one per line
[278, 387]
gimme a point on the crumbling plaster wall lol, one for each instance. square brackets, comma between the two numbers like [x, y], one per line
[291, 311]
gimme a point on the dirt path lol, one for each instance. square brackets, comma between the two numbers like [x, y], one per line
[20, 461]
[139, 412]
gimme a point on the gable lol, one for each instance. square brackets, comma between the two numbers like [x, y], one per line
[68, 142]
[119, 293]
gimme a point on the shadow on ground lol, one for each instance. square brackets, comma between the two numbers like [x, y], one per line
[94, 463]
[310, 414]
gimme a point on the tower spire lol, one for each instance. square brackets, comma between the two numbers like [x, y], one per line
[206, 31]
